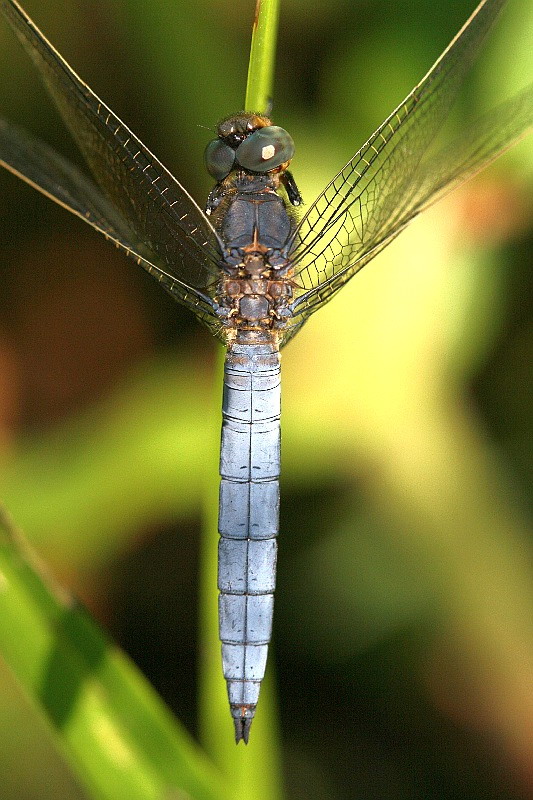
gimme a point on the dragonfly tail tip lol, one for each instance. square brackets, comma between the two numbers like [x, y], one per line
[242, 729]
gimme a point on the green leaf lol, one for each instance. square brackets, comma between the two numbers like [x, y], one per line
[114, 733]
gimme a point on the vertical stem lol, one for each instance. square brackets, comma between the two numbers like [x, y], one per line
[253, 770]
[259, 91]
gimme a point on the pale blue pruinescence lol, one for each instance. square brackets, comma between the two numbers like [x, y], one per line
[248, 520]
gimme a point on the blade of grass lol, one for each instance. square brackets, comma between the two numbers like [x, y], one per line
[255, 769]
[115, 733]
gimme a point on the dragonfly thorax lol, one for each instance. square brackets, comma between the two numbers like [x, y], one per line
[256, 287]
[254, 303]
[256, 265]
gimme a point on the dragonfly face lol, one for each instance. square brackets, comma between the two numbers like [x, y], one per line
[250, 272]
[251, 144]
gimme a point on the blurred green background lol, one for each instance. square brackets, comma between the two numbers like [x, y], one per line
[403, 641]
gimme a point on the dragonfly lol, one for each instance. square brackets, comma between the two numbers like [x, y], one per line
[252, 270]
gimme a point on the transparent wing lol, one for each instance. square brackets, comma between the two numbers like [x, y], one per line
[477, 146]
[368, 202]
[156, 207]
[45, 170]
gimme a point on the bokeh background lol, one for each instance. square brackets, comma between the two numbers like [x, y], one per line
[403, 641]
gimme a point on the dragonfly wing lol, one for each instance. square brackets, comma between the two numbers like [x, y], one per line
[481, 143]
[364, 207]
[151, 200]
[58, 179]
[478, 145]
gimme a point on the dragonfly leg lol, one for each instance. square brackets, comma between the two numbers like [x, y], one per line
[292, 190]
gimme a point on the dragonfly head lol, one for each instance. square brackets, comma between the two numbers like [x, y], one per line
[250, 142]
[233, 130]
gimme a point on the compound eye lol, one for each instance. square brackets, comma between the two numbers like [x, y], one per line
[219, 159]
[265, 149]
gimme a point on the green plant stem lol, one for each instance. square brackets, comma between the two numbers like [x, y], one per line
[253, 770]
[259, 90]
